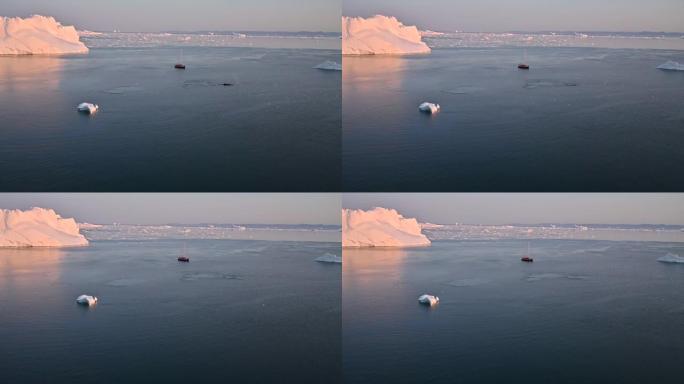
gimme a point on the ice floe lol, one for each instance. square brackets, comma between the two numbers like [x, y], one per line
[38, 35]
[380, 227]
[88, 108]
[329, 258]
[38, 227]
[428, 300]
[672, 259]
[329, 66]
[86, 300]
[430, 108]
[671, 66]
[380, 35]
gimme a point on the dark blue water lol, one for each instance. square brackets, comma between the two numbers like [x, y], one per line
[277, 128]
[583, 312]
[582, 119]
[240, 311]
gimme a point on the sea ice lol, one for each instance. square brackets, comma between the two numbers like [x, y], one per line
[380, 35]
[329, 66]
[38, 227]
[88, 108]
[672, 258]
[671, 66]
[329, 258]
[38, 35]
[380, 227]
[428, 300]
[86, 300]
[429, 107]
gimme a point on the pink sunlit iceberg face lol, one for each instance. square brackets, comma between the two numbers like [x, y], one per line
[38, 227]
[38, 35]
[380, 35]
[380, 227]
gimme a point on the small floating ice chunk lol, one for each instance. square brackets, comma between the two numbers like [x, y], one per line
[429, 108]
[428, 300]
[671, 66]
[86, 300]
[88, 108]
[329, 66]
[329, 258]
[671, 258]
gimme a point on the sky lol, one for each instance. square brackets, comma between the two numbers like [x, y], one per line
[528, 15]
[176, 15]
[519, 208]
[169, 208]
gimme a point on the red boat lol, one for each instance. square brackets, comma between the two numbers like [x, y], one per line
[523, 66]
[184, 258]
[179, 66]
[528, 258]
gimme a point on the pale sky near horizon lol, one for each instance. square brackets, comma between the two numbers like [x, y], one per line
[520, 208]
[528, 15]
[174, 15]
[167, 208]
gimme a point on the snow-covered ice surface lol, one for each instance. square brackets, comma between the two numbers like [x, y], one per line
[38, 35]
[295, 40]
[429, 107]
[380, 227]
[644, 40]
[380, 35]
[428, 300]
[671, 66]
[672, 259]
[119, 232]
[330, 258]
[556, 231]
[38, 227]
[329, 66]
[86, 300]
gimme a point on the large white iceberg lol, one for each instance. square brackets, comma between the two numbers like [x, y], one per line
[38, 227]
[380, 35]
[38, 35]
[380, 227]
[671, 66]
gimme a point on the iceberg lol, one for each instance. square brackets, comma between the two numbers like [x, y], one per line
[380, 227]
[429, 108]
[428, 300]
[380, 35]
[88, 108]
[86, 300]
[329, 66]
[38, 35]
[671, 258]
[671, 66]
[329, 258]
[38, 227]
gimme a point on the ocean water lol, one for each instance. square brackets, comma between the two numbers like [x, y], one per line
[247, 311]
[584, 312]
[582, 119]
[276, 128]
